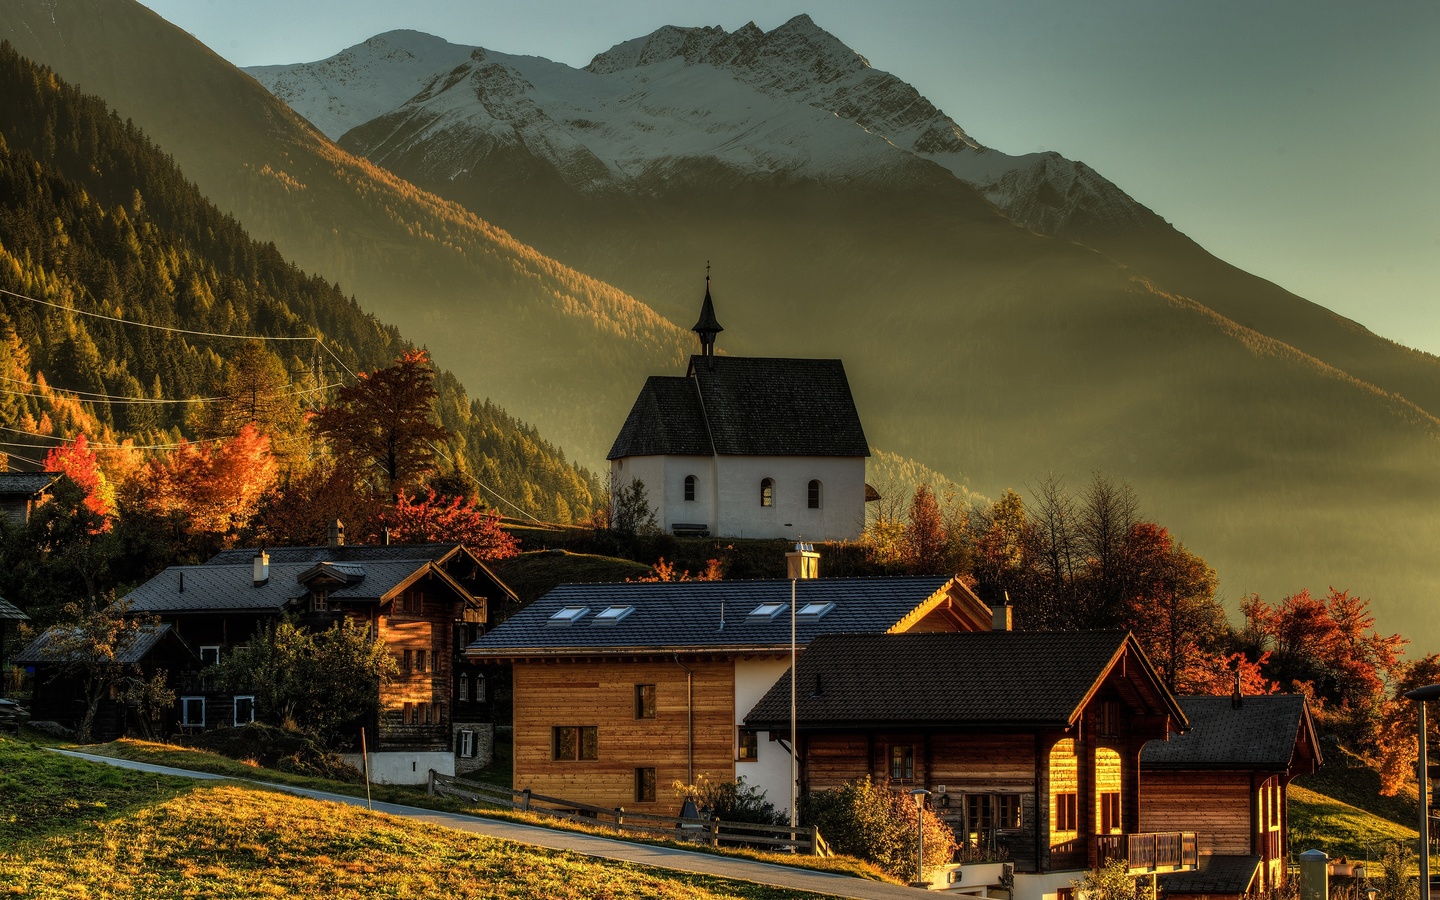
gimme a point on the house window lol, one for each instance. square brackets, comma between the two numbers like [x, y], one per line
[317, 601]
[477, 690]
[748, 746]
[244, 710]
[644, 701]
[467, 744]
[1007, 811]
[464, 686]
[210, 655]
[902, 763]
[192, 711]
[981, 811]
[420, 661]
[645, 785]
[1067, 812]
[814, 494]
[1110, 812]
[408, 661]
[575, 742]
[690, 488]
[407, 713]
[1107, 718]
[422, 714]
[439, 712]
[767, 492]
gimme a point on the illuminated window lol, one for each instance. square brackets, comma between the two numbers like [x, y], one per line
[1110, 812]
[767, 492]
[1067, 812]
[748, 747]
[902, 763]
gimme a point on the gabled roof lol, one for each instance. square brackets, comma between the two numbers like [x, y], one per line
[1267, 731]
[343, 553]
[42, 650]
[1216, 874]
[687, 615]
[11, 612]
[746, 406]
[666, 419]
[26, 484]
[960, 680]
[231, 588]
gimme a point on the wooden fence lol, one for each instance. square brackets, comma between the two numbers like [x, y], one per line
[713, 831]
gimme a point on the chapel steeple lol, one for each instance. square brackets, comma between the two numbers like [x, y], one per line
[708, 326]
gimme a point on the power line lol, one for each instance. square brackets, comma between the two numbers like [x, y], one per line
[482, 484]
[92, 396]
[212, 334]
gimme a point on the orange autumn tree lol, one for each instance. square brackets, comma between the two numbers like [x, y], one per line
[82, 465]
[456, 520]
[216, 487]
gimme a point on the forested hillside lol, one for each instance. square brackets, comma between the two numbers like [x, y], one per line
[97, 225]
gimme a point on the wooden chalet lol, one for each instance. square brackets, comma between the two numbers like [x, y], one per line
[622, 689]
[1227, 779]
[59, 696]
[21, 492]
[1029, 742]
[9, 612]
[426, 601]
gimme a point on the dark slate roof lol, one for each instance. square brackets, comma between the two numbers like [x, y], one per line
[345, 553]
[11, 612]
[746, 406]
[1216, 874]
[666, 419]
[216, 587]
[1260, 734]
[26, 483]
[687, 614]
[987, 678]
[40, 649]
[707, 324]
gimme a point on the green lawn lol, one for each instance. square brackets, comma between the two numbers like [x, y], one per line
[1340, 829]
[69, 829]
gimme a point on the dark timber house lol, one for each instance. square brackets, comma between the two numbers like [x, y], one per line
[426, 601]
[1030, 742]
[1227, 778]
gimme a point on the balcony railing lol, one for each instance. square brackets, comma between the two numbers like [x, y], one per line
[1149, 852]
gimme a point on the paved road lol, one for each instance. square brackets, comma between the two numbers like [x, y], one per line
[738, 868]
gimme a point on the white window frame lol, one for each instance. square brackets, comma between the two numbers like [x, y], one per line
[467, 744]
[235, 709]
[215, 648]
[185, 712]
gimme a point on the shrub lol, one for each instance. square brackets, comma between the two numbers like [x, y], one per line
[869, 822]
[276, 748]
[730, 801]
[1395, 862]
[1111, 881]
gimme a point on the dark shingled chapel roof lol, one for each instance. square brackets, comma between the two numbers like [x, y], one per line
[988, 678]
[746, 406]
[1260, 734]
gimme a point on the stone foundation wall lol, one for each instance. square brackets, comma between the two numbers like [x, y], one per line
[484, 746]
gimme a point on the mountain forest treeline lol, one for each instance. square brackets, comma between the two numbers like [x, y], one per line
[95, 219]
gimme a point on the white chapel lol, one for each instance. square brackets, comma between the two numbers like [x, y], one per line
[747, 447]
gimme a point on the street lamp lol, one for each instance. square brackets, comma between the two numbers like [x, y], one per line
[920, 794]
[1421, 696]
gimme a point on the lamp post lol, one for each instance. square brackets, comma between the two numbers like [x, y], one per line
[802, 562]
[1421, 696]
[920, 794]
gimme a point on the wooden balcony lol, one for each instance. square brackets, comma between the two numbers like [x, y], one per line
[1149, 853]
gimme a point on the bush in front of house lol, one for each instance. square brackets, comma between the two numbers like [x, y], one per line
[730, 801]
[277, 748]
[870, 822]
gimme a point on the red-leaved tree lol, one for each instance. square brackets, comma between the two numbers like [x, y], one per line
[457, 520]
[216, 488]
[82, 465]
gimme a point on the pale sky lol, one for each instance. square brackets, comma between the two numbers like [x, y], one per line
[1296, 139]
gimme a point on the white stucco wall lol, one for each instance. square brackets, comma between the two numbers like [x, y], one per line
[401, 767]
[727, 494]
[770, 772]
[1044, 886]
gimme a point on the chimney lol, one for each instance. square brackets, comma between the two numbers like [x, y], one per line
[385, 536]
[182, 581]
[802, 563]
[1000, 616]
[1237, 698]
[337, 533]
[262, 567]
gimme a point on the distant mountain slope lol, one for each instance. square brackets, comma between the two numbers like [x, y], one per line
[93, 217]
[532, 334]
[881, 232]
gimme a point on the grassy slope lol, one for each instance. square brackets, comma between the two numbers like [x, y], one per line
[1319, 821]
[136, 835]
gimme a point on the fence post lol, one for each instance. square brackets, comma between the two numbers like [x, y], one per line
[619, 816]
[814, 840]
[430, 784]
[525, 800]
[715, 832]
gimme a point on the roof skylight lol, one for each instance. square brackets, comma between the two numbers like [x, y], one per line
[813, 611]
[767, 610]
[568, 615]
[613, 614]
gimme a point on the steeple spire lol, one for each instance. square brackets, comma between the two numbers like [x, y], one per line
[708, 326]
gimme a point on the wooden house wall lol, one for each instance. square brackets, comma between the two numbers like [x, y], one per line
[429, 629]
[601, 693]
[1215, 805]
